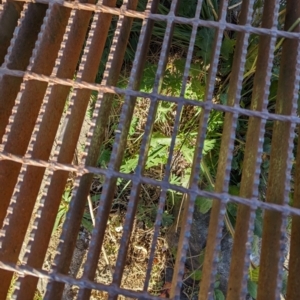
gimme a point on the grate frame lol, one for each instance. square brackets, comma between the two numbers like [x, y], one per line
[36, 77]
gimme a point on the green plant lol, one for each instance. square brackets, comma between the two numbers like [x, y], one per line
[218, 294]
[63, 208]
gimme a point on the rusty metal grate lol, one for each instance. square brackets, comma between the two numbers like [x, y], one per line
[40, 46]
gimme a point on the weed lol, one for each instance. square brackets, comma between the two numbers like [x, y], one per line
[63, 208]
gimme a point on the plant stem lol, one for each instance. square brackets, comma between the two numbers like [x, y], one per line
[94, 222]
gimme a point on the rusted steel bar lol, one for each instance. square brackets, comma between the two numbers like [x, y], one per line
[126, 116]
[164, 18]
[230, 121]
[75, 116]
[189, 201]
[143, 153]
[40, 148]
[101, 113]
[28, 271]
[119, 91]
[168, 167]
[29, 98]
[293, 286]
[8, 21]
[47, 110]
[218, 209]
[17, 59]
[253, 152]
[177, 19]
[280, 161]
[17, 138]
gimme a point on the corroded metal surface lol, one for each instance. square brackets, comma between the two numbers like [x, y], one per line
[41, 43]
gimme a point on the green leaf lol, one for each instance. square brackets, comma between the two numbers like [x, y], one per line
[235, 163]
[58, 219]
[175, 180]
[201, 257]
[148, 77]
[273, 89]
[218, 295]
[167, 219]
[87, 224]
[159, 139]
[129, 165]
[179, 65]
[133, 124]
[223, 99]
[157, 156]
[227, 47]
[104, 157]
[234, 190]
[258, 223]
[204, 204]
[232, 209]
[188, 153]
[196, 275]
[252, 289]
[186, 178]
[67, 195]
[208, 146]
[267, 145]
[206, 38]
[95, 198]
[284, 282]
[196, 88]
[217, 284]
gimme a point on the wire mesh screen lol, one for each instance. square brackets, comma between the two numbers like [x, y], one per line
[160, 134]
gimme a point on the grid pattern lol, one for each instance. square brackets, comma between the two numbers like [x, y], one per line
[39, 53]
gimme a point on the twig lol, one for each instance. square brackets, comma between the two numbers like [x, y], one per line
[216, 17]
[234, 5]
[91, 210]
[94, 222]
[177, 223]
[213, 10]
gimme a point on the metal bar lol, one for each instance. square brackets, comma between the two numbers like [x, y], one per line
[77, 208]
[111, 78]
[252, 159]
[40, 147]
[29, 99]
[227, 144]
[164, 18]
[115, 90]
[17, 58]
[9, 16]
[168, 167]
[179, 20]
[128, 107]
[280, 163]
[293, 288]
[144, 148]
[219, 207]
[19, 131]
[146, 180]
[27, 270]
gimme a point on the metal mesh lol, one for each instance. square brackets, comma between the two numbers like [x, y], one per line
[40, 45]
